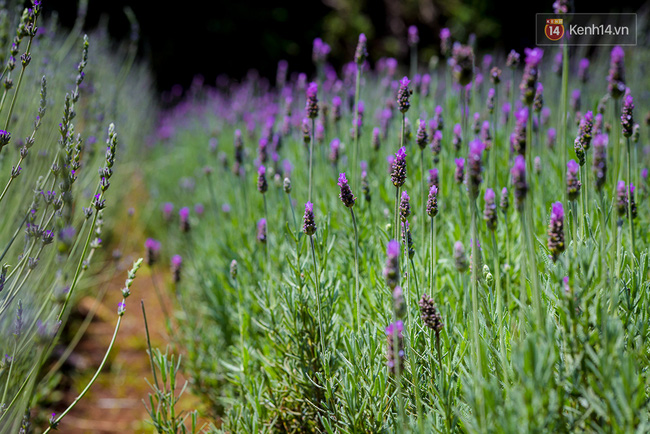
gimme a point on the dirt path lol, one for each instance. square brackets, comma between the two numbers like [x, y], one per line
[115, 401]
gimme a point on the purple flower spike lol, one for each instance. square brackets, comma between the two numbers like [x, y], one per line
[421, 137]
[600, 161]
[404, 95]
[361, 52]
[463, 57]
[616, 76]
[632, 202]
[504, 204]
[433, 178]
[345, 195]
[262, 185]
[518, 137]
[184, 214]
[627, 119]
[398, 168]
[445, 41]
[311, 107]
[518, 173]
[413, 37]
[474, 162]
[436, 146]
[458, 137]
[490, 211]
[531, 72]
[459, 174]
[176, 264]
[395, 356]
[429, 315]
[583, 69]
[391, 270]
[460, 258]
[152, 249]
[405, 206]
[432, 201]
[573, 184]
[261, 231]
[556, 231]
[168, 209]
[309, 225]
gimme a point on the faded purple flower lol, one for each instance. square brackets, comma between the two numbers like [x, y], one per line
[518, 173]
[556, 231]
[573, 184]
[345, 195]
[490, 210]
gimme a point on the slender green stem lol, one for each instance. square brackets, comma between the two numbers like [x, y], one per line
[432, 259]
[92, 380]
[424, 208]
[564, 147]
[11, 365]
[396, 229]
[146, 329]
[630, 219]
[317, 283]
[311, 152]
[20, 80]
[293, 212]
[356, 270]
[357, 92]
[497, 273]
[527, 227]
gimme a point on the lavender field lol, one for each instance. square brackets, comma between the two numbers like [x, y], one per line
[446, 243]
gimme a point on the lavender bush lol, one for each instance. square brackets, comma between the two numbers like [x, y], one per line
[531, 318]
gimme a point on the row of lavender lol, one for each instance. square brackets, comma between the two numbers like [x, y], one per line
[62, 95]
[363, 318]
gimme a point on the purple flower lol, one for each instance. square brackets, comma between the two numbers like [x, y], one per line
[421, 137]
[575, 101]
[168, 209]
[432, 201]
[632, 202]
[616, 76]
[429, 315]
[518, 137]
[538, 101]
[529, 79]
[490, 211]
[413, 37]
[361, 52]
[627, 119]
[445, 41]
[475, 167]
[407, 238]
[152, 249]
[395, 356]
[311, 106]
[460, 258]
[433, 178]
[436, 146]
[556, 231]
[345, 195]
[600, 161]
[438, 120]
[176, 264]
[391, 270]
[459, 174]
[573, 184]
[458, 137]
[504, 204]
[404, 206]
[518, 173]
[184, 214]
[335, 145]
[644, 173]
[486, 135]
[551, 135]
[261, 230]
[404, 95]
[336, 108]
[513, 59]
[262, 185]
[463, 70]
[490, 100]
[199, 209]
[583, 69]
[320, 51]
[495, 75]
[5, 137]
[309, 225]
[398, 168]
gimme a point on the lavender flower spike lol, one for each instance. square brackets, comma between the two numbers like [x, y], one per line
[460, 258]
[432, 202]
[627, 119]
[573, 184]
[475, 167]
[361, 52]
[309, 225]
[345, 195]
[600, 161]
[421, 137]
[394, 332]
[262, 185]
[176, 265]
[261, 230]
[391, 270]
[490, 211]
[404, 95]
[459, 174]
[404, 206]
[556, 231]
[616, 76]
[398, 168]
[429, 314]
[311, 106]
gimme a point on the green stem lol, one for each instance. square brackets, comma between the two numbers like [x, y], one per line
[311, 152]
[92, 380]
[357, 92]
[356, 270]
[629, 198]
[317, 283]
[497, 273]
